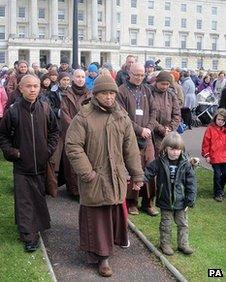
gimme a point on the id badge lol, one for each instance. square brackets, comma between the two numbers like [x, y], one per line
[139, 112]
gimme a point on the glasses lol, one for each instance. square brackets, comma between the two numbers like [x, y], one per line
[137, 75]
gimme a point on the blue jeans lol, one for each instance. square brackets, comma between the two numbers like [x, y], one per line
[219, 179]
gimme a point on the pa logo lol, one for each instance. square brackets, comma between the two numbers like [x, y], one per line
[215, 272]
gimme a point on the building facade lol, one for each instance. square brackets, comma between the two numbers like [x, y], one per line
[183, 33]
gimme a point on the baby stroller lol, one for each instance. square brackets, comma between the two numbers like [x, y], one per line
[207, 106]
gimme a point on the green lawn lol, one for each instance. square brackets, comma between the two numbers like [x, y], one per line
[207, 225]
[15, 264]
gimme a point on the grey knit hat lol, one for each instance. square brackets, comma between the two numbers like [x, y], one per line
[104, 83]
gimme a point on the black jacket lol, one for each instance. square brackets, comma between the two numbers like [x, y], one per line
[26, 129]
[184, 192]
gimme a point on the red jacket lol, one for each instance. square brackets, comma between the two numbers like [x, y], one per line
[214, 144]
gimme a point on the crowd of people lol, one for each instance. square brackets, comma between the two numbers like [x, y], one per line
[111, 138]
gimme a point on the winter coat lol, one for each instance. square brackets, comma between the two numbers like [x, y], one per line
[222, 103]
[189, 92]
[27, 136]
[3, 100]
[128, 97]
[90, 82]
[183, 193]
[214, 144]
[121, 76]
[100, 143]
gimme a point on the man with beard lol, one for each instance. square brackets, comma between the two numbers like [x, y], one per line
[101, 145]
[135, 97]
[28, 138]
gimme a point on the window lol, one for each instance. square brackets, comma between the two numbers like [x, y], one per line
[99, 16]
[118, 3]
[100, 2]
[2, 32]
[199, 9]
[150, 20]
[167, 21]
[133, 19]
[214, 11]
[21, 12]
[81, 1]
[41, 13]
[2, 57]
[118, 36]
[150, 4]
[214, 43]
[62, 1]
[183, 7]
[183, 23]
[80, 15]
[199, 24]
[133, 3]
[151, 37]
[42, 32]
[214, 25]
[199, 64]
[118, 18]
[168, 63]
[199, 42]
[183, 41]
[81, 34]
[61, 14]
[215, 64]
[61, 33]
[184, 63]
[167, 6]
[2, 11]
[22, 31]
[133, 38]
[167, 40]
[100, 34]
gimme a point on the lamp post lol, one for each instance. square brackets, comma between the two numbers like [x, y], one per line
[75, 35]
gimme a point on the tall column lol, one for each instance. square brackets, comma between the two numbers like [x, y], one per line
[34, 56]
[54, 17]
[34, 19]
[12, 18]
[113, 21]
[94, 20]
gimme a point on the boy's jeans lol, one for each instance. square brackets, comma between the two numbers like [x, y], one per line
[219, 179]
[165, 227]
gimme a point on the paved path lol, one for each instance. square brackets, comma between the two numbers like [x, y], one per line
[62, 244]
[133, 264]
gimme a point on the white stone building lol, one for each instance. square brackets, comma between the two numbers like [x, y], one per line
[184, 33]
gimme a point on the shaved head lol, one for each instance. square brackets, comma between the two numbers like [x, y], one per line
[136, 73]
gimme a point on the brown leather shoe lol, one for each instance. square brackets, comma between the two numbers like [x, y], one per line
[133, 210]
[105, 269]
[150, 211]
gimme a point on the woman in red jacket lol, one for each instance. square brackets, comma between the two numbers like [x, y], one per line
[214, 151]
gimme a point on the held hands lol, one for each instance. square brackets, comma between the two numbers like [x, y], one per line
[137, 185]
[167, 129]
[146, 133]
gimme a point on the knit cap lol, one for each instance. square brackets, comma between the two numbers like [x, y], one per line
[64, 60]
[63, 74]
[92, 68]
[164, 76]
[104, 83]
[149, 63]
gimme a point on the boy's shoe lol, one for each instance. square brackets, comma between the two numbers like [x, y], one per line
[186, 249]
[133, 210]
[31, 246]
[167, 249]
[104, 268]
[218, 198]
